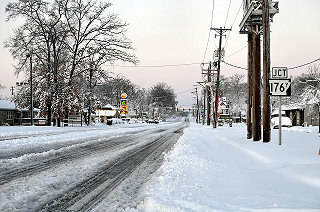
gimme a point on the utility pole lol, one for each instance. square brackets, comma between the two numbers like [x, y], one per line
[280, 117]
[220, 31]
[31, 90]
[12, 89]
[204, 105]
[250, 74]
[256, 85]
[196, 109]
[90, 87]
[257, 14]
[266, 71]
[197, 112]
[208, 96]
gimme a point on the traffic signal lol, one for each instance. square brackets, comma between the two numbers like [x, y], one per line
[177, 109]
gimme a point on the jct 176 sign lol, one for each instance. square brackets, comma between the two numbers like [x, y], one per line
[280, 87]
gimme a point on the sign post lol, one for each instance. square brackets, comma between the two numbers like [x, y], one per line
[280, 123]
[280, 86]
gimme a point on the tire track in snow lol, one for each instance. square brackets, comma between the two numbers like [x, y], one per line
[78, 151]
[89, 193]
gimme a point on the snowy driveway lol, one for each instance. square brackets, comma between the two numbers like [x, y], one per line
[77, 168]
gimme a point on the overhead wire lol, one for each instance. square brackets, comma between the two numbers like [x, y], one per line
[205, 53]
[304, 64]
[291, 68]
[233, 24]
[227, 14]
[154, 66]
[236, 51]
[235, 66]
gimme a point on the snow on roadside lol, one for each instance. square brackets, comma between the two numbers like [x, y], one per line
[64, 135]
[220, 170]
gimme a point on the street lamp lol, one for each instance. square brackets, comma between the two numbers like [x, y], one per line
[31, 91]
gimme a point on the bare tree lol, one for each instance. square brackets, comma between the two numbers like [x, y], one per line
[162, 96]
[70, 40]
[234, 89]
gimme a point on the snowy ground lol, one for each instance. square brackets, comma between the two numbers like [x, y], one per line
[220, 170]
[208, 170]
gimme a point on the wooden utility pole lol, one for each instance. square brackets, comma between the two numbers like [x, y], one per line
[208, 95]
[197, 109]
[31, 89]
[250, 75]
[220, 32]
[256, 85]
[90, 97]
[204, 105]
[266, 71]
[257, 14]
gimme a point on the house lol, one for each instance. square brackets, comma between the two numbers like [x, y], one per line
[11, 115]
[302, 114]
[8, 112]
[107, 112]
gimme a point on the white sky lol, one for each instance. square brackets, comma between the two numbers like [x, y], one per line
[176, 32]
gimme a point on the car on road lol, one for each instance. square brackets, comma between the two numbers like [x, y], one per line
[285, 122]
[220, 122]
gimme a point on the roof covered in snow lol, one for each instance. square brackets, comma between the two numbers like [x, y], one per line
[8, 105]
[110, 107]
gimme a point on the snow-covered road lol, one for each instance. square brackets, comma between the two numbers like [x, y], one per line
[76, 168]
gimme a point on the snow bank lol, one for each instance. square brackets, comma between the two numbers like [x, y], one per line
[220, 170]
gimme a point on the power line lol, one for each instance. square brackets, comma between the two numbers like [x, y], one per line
[205, 53]
[236, 51]
[304, 64]
[190, 64]
[227, 14]
[155, 66]
[234, 65]
[233, 24]
[295, 67]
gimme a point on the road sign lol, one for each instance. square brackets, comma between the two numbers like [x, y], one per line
[123, 102]
[280, 87]
[124, 109]
[124, 95]
[279, 73]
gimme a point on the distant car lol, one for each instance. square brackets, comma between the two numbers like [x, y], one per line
[133, 121]
[285, 122]
[153, 121]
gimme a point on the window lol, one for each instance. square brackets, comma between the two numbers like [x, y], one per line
[9, 115]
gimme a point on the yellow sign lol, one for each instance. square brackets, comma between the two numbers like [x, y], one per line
[124, 107]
